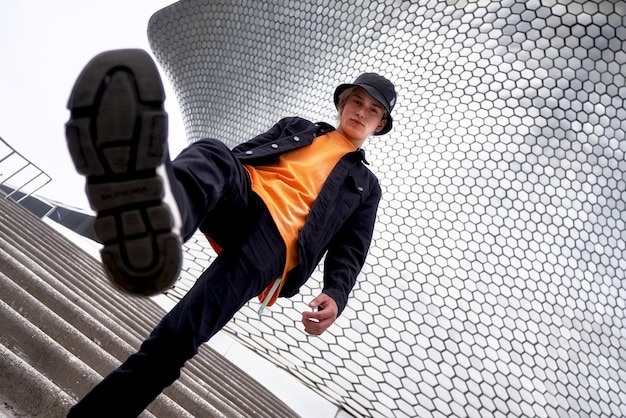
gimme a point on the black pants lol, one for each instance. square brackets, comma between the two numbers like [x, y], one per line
[208, 178]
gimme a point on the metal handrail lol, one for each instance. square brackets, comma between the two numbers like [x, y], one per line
[13, 172]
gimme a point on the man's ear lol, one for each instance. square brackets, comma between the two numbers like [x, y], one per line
[381, 125]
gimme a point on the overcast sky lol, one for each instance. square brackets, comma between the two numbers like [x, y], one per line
[43, 47]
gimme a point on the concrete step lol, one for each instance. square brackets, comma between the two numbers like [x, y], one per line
[19, 381]
[61, 358]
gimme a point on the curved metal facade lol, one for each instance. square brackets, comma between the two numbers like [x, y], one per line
[495, 285]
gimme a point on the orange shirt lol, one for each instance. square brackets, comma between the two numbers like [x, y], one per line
[290, 186]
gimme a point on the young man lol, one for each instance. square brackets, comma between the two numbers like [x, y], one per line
[272, 206]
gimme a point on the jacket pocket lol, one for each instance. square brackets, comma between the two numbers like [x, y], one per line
[358, 188]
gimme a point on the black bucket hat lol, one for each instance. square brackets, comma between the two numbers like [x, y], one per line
[379, 88]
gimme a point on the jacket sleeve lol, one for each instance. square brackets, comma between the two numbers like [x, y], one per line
[348, 249]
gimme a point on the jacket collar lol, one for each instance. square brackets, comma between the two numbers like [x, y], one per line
[323, 128]
[361, 153]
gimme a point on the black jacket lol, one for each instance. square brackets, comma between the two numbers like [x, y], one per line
[342, 218]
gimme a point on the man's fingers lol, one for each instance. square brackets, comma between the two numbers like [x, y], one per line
[323, 315]
[315, 323]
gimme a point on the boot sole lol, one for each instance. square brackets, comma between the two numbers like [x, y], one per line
[117, 138]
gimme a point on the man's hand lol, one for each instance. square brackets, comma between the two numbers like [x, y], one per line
[324, 314]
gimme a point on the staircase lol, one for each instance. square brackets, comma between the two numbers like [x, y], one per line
[63, 327]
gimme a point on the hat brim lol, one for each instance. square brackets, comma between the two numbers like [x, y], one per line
[375, 94]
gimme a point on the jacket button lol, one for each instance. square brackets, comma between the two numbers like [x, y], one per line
[274, 145]
[359, 188]
[295, 138]
[248, 152]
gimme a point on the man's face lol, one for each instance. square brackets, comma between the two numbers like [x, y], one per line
[361, 116]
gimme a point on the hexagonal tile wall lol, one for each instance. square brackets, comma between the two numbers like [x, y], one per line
[495, 283]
